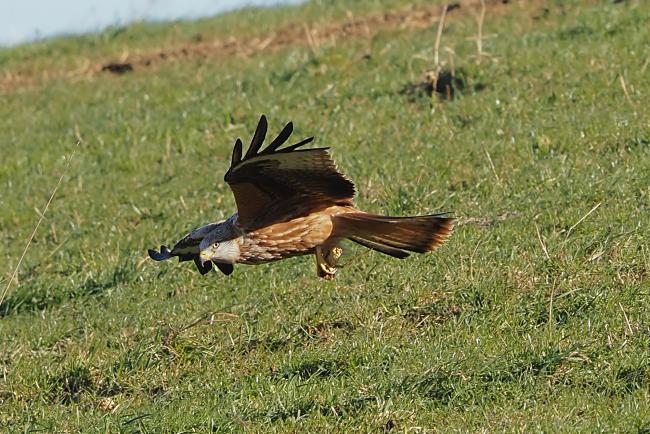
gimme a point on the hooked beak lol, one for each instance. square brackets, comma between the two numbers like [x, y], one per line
[205, 256]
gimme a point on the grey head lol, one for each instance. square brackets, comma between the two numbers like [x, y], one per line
[188, 249]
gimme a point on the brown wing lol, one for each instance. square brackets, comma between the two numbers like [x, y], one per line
[276, 184]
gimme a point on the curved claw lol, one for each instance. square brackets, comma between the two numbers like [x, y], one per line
[164, 253]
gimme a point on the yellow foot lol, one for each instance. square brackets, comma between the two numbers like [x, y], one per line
[326, 262]
[332, 257]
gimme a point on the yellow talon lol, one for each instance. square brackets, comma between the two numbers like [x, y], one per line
[334, 253]
[325, 262]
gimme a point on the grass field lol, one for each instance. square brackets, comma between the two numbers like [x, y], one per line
[535, 317]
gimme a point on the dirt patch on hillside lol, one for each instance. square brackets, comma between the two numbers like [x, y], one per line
[286, 36]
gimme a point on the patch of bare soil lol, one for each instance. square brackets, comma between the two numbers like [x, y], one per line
[286, 36]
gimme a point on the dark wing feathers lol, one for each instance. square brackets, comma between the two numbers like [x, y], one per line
[320, 183]
[236, 153]
[226, 269]
[164, 254]
[258, 138]
[299, 144]
[282, 137]
[270, 183]
[203, 268]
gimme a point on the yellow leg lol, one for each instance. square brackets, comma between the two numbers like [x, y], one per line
[326, 259]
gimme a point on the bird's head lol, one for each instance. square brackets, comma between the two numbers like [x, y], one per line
[208, 253]
[210, 244]
[219, 245]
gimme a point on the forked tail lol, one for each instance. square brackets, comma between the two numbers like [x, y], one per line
[395, 236]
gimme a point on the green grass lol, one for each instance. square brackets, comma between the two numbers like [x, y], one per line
[534, 317]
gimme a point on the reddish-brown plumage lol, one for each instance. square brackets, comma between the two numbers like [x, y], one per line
[294, 237]
[294, 202]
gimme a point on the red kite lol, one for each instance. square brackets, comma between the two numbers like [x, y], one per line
[293, 202]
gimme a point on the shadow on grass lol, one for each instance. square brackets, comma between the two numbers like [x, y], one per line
[449, 386]
[439, 386]
[69, 385]
[36, 294]
[432, 313]
[319, 368]
[525, 365]
[626, 381]
[298, 337]
[345, 407]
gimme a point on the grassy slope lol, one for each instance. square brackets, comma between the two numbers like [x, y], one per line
[490, 332]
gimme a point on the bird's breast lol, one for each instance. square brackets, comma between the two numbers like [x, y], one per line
[298, 236]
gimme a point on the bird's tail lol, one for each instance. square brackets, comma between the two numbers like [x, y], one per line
[395, 236]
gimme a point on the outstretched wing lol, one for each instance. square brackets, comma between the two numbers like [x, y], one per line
[276, 184]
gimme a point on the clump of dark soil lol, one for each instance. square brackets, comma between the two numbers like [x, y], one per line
[118, 68]
[446, 84]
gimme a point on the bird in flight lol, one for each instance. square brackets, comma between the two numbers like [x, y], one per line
[294, 202]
